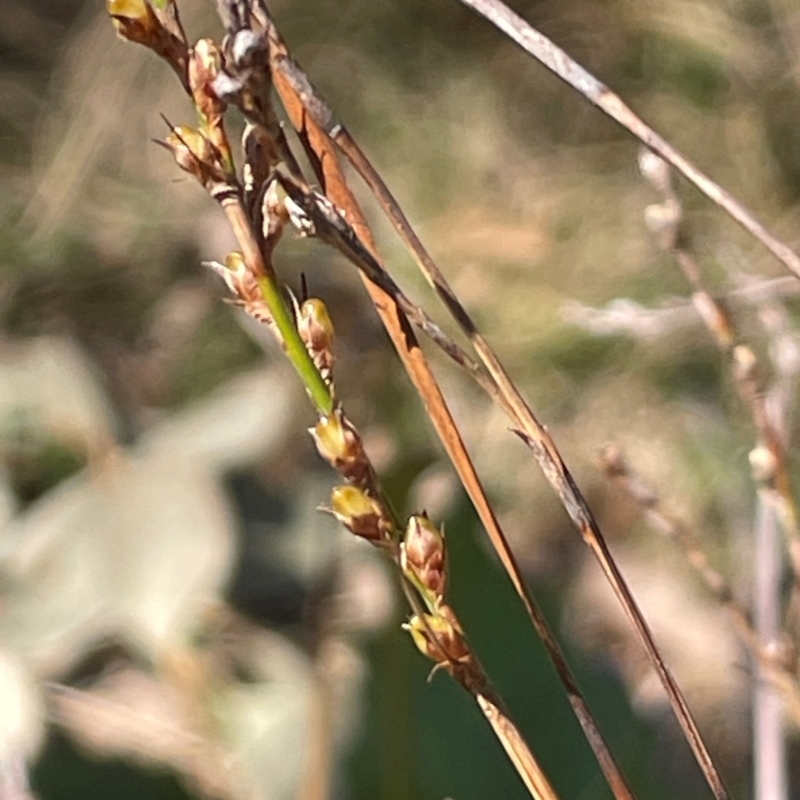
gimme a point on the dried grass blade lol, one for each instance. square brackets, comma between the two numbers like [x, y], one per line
[556, 471]
[517, 750]
[557, 61]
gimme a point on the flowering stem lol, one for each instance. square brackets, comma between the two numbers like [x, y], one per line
[294, 347]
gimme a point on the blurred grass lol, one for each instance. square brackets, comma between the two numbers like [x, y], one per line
[525, 195]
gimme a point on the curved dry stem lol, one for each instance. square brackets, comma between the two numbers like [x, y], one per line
[770, 465]
[557, 61]
[516, 749]
[617, 468]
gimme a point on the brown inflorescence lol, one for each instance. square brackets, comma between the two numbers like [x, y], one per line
[340, 445]
[204, 67]
[137, 21]
[422, 558]
[359, 513]
[440, 638]
[316, 330]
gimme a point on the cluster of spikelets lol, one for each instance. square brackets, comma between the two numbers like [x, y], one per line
[259, 208]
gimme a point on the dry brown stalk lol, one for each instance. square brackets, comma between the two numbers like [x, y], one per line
[561, 64]
[769, 459]
[778, 662]
[516, 749]
[770, 471]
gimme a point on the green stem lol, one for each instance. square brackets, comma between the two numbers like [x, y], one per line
[294, 347]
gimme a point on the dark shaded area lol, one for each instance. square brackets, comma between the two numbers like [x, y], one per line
[64, 773]
[36, 466]
[260, 588]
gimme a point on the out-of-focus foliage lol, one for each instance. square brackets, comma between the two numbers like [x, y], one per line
[147, 484]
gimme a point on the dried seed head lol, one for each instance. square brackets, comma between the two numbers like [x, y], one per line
[341, 446]
[195, 153]
[246, 79]
[131, 9]
[237, 276]
[226, 87]
[336, 441]
[439, 637]
[422, 557]
[192, 150]
[782, 651]
[235, 262]
[316, 330]
[134, 21]
[155, 27]
[244, 286]
[274, 214]
[205, 60]
[247, 49]
[613, 462]
[745, 365]
[358, 512]
[204, 67]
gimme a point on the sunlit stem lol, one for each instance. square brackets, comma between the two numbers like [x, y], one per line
[294, 347]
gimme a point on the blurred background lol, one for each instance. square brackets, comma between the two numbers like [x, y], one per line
[177, 617]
